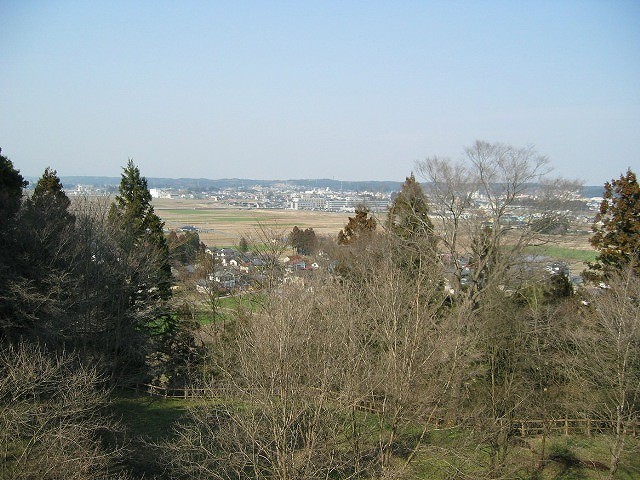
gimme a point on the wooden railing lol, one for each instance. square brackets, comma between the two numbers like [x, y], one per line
[566, 426]
[522, 428]
[172, 392]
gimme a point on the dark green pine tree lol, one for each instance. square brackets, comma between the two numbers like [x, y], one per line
[172, 347]
[49, 204]
[243, 245]
[11, 185]
[617, 226]
[139, 228]
[49, 246]
[408, 216]
[411, 228]
[304, 242]
[49, 190]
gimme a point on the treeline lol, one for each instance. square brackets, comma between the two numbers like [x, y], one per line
[84, 293]
[422, 324]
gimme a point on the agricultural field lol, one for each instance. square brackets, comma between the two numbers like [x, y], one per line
[221, 226]
[574, 249]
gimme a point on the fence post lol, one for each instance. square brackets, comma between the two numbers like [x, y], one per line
[566, 427]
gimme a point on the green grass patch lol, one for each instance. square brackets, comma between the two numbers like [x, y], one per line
[147, 416]
[227, 307]
[444, 454]
[454, 454]
[247, 301]
[563, 253]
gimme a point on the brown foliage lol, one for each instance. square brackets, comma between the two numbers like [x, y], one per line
[617, 225]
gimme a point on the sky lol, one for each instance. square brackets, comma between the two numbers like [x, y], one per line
[351, 90]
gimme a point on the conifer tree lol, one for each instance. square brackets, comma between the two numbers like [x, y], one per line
[49, 188]
[47, 241]
[411, 228]
[11, 185]
[49, 204]
[617, 225]
[243, 245]
[145, 253]
[303, 242]
[359, 227]
[408, 216]
[138, 225]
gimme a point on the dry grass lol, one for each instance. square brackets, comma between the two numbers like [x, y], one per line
[221, 225]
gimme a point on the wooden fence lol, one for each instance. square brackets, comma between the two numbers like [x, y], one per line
[523, 428]
[168, 392]
[566, 426]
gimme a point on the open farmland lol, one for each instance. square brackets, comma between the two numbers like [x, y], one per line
[220, 225]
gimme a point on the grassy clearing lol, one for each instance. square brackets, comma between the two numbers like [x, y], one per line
[149, 417]
[148, 421]
[564, 253]
[227, 307]
[445, 454]
[248, 301]
[454, 455]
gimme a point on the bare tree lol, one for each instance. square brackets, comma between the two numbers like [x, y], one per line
[331, 378]
[51, 418]
[607, 360]
[415, 345]
[269, 242]
[284, 421]
[488, 207]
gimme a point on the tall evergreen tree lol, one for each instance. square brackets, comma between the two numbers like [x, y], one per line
[408, 216]
[303, 242]
[47, 242]
[11, 185]
[49, 189]
[144, 257]
[48, 207]
[243, 245]
[617, 225]
[411, 228]
[138, 225]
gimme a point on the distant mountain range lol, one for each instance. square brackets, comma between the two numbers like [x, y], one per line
[591, 191]
[206, 184]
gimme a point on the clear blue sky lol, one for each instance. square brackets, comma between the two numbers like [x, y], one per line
[352, 90]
